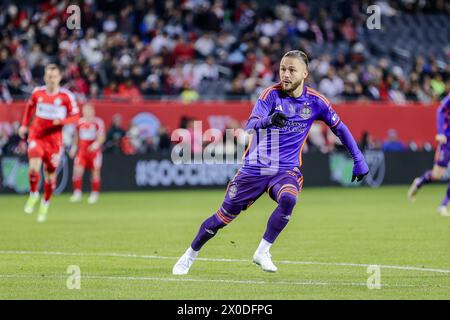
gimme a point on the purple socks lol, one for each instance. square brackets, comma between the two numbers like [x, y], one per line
[280, 216]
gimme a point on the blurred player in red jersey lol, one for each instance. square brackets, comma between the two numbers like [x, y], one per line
[49, 108]
[87, 150]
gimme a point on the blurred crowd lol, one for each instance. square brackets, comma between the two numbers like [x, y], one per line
[217, 49]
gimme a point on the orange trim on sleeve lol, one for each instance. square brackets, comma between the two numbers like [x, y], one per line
[267, 91]
[248, 147]
[317, 94]
[300, 160]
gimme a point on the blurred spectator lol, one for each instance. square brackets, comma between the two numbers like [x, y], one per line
[164, 142]
[189, 95]
[393, 144]
[114, 135]
[15, 145]
[367, 142]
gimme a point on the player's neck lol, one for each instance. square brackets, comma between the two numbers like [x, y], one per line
[297, 92]
[53, 90]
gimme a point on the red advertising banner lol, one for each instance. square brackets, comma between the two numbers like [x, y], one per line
[413, 122]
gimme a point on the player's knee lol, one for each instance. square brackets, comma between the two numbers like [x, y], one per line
[225, 217]
[437, 173]
[78, 173]
[35, 166]
[287, 202]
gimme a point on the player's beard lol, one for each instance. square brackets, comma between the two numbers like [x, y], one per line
[292, 86]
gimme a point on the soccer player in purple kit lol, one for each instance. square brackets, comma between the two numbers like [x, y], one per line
[279, 126]
[441, 158]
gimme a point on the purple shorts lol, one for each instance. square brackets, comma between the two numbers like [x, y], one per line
[244, 189]
[442, 155]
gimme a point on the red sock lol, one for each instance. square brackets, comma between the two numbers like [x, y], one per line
[77, 184]
[33, 178]
[95, 185]
[48, 190]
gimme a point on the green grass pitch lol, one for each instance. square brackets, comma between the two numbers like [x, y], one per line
[126, 245]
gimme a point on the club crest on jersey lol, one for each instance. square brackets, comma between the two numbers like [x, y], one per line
[279, 108]
[306, 112]
[232, 192]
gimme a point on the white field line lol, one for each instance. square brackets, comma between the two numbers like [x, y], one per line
[228, 281]
[183, 279]
[130, 255]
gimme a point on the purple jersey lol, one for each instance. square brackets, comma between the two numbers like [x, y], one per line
[271, 148]
[443, 117]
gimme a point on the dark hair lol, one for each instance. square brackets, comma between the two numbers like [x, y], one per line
[297, 54]
[53, 66]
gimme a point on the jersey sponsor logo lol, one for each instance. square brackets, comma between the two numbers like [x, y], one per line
[306, 112]
[89, 133]
[50, 112]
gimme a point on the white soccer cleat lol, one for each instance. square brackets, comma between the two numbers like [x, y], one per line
[43, 211]
[93, 198]
[76, 197]
[442, 210]
[264, 259]
[413, 190]
[183, 265]
[31, 202]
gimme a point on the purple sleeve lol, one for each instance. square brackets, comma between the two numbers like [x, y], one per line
[442, 112]
[343, 133]
[331, 118]
[259, 119]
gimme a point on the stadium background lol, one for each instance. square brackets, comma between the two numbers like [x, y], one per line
[153, 66]
[150, 67]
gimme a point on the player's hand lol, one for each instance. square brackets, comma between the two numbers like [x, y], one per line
[441, 138]
[72, 152]
[93, 147]
[278, 119]
[23, 132]
[56, 122]
[360, 170]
